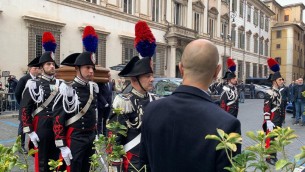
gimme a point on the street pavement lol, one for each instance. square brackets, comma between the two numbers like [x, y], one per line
[250, 116]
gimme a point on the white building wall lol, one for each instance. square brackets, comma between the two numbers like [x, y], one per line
[14, 32]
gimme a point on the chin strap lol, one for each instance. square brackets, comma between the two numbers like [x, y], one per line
[140, 83]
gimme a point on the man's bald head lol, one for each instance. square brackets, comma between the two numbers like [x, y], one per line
[200, 61]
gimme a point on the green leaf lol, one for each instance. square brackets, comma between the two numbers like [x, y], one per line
[221, 133]
[32, 152]
[281, 164]
[220, 146]
[232, 146]
[234, 138]
[212, 137]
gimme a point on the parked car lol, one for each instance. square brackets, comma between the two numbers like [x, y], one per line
[259, 81]
[162, 86]
[260, 91]
[166, 86]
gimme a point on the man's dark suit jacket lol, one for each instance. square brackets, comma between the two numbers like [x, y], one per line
[105, 94]
[20, 87]
[296, 93]
[174, 130]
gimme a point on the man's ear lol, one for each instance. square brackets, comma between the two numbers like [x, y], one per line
[218, 68]
[181, 69]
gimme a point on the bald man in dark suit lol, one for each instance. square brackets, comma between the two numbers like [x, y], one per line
[174, 128]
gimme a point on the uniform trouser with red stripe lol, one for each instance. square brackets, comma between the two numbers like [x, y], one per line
[43, 126]
[81, 146]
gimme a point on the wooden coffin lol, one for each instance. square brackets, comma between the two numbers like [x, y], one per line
[68, 73]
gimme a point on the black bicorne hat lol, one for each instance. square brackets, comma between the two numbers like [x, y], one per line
[136, 67]
[70, 59]
[85, 58]
[229, 75]
[47, 56]
[274, 76]
[34, 62]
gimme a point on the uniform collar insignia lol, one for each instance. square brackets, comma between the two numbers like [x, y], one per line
[47, 78]
[134, 91]
[80, 81]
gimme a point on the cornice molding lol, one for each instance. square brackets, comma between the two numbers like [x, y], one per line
[97, 29]
[31, 18]
[108, 11]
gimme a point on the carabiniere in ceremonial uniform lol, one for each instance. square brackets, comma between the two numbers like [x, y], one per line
[75, 108]
[37, 115]
[273, 117]
[229, 96]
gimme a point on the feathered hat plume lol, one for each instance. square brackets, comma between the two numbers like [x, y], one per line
[48, 42]
[231, 64]
[145, 41]
[90, 39]
[273, 65]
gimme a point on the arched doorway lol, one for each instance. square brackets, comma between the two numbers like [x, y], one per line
[178, 59]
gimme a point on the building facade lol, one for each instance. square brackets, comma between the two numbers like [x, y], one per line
[288, 39]
[173, 22]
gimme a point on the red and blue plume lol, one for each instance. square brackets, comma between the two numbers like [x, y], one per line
[48, 42]
[90, 39]
[273, 65]
[145, 41]
[231, 65]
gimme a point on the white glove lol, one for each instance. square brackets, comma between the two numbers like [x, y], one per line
[107, 105]
[34, 138]
[66, 154]
[270, 125]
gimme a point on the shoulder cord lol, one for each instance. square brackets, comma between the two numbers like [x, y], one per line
[34, 95]
[72, 105]
[230, 94]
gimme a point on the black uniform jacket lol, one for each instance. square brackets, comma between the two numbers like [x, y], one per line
[174, 130]
[19, 89]
[28, 105]
[85, 124]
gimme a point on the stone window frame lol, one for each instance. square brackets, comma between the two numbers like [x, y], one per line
[261, 20]
[248, 41]
[241, 37]
[249, 12]
[255, 44]
[261, 45]
[255, 69]
[91, 1]
[212, 16]
[267, 24]
[241, 9]
[36, 26]
[182, 14]
[266, 47]
[198, 8]
[101, 47]
[159, 60]
[128, 43]
[158, 57]
[247, 69]
[156, 14]
[132, 7]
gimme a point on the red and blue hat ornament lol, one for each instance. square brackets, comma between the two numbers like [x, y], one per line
[231, 64]
[145, 42]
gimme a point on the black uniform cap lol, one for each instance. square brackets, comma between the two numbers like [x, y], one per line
[34, 62]
[276, 75]
[136, 67]
[47, 56]
[229, 75]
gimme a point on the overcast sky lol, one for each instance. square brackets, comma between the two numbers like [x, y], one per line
[286, 2]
